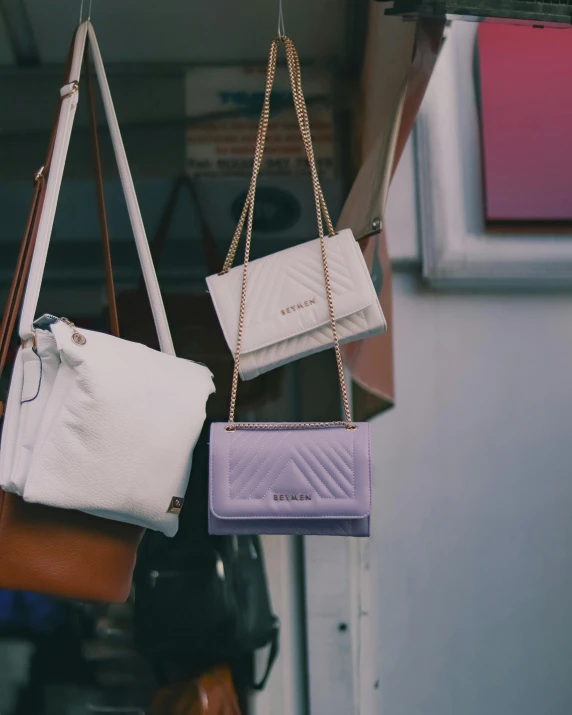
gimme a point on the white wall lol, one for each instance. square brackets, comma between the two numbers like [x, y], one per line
[401, 220]
[472, 527]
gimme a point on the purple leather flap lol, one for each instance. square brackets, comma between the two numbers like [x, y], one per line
[316, 473]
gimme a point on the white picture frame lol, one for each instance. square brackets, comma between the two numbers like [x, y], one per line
[457, 250]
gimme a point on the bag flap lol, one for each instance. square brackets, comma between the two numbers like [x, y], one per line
[316, 473]
[286, 294]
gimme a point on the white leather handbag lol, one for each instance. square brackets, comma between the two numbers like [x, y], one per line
[286, 316]
[93, 422]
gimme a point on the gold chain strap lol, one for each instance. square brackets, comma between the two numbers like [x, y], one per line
[248, 216]
[302, 116]
[288, 425]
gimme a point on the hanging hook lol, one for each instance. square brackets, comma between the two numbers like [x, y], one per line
[88, 12]
[281, 28]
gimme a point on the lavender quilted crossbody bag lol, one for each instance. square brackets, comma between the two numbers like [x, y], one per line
[289, 478]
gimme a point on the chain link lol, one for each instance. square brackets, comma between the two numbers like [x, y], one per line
[247, 216]
[288, 425]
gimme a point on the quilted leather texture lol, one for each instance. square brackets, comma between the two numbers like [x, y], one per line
[112, 431]
[286, 314]
[290, 481]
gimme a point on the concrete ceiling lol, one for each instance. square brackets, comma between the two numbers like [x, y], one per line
[186, 31]
[6, 56]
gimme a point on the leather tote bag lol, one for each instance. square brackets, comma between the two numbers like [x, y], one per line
[290, 478]
[197, 334]
[200, 599]
[56, 551]
[95, 423]
[287, 315]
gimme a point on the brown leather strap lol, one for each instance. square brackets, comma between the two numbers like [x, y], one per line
[23, 261]
[213, 259]
[16, 291]
[111, 302]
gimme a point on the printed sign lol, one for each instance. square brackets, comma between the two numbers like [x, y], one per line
[223, 105]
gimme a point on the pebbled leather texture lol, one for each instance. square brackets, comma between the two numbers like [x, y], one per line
[286, 315]
[23, 416]
[109, 427]
[99, 554]
[290, 481]
[111, 432]
[60, 552]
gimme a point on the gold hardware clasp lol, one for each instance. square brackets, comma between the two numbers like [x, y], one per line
[77, 337]
[73, 90]
[34, 342]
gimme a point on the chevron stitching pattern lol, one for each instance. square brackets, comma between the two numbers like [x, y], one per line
[312, 341]
[289, 278]
[267, 278]
[256, 464]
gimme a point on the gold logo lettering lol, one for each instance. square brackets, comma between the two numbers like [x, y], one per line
[298, 306]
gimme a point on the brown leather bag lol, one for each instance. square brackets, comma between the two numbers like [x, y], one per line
[193, 320]
[211, 694]
[55, 551]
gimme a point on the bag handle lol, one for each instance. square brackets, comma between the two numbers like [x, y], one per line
[101, 211]
[159, 241]
[272, 655]
[304, 124]
[69, 94]
[16, 291]
[293, 62]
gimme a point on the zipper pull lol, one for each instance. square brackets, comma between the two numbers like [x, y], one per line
[45, 321]
[77, 337]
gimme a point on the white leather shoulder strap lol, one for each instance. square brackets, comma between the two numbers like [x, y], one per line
[70, 94]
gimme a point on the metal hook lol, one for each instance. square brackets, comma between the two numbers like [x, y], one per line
[88, 12]
[281, 28]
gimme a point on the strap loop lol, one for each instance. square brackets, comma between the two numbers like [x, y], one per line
[69, 89]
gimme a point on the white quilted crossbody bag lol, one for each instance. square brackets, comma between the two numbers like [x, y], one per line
[93, 422]
[287, 315]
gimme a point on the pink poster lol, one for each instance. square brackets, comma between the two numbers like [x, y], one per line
[526, 116]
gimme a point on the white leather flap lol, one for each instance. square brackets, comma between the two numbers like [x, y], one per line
[286, 293]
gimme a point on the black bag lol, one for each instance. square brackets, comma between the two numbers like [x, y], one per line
[202, 600]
